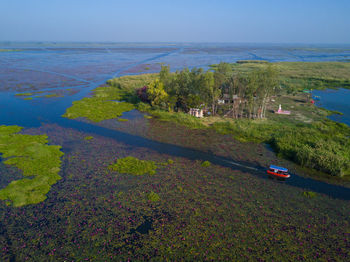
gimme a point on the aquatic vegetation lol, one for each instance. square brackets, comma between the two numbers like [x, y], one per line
[153, 197]
[97, 109]
[206, 164]
[122, 120]
[52, 95]
[10, 50]
[24, 94]
[88, 137]
[134, 166]
[104, 103]
[309, 194]
[37, 160]
[28, 98]
[202, 213]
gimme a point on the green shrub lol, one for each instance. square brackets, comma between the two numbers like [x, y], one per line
[143, 107]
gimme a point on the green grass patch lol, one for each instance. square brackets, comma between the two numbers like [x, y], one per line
[304, 75]
[134, 166]
[38, 161]
[179, 118]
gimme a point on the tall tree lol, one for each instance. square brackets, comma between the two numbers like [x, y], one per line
[165, 77]
[211, 91]
[157, 95]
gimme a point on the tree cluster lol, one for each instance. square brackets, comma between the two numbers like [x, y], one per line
[219, 90]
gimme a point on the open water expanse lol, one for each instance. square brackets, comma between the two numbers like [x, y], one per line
[229, 210]
[337, 100]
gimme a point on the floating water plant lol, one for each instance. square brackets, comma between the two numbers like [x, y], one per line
[97, 109]
[52, 95]
[309, 194]
[206, 164]
[37, 160]
[88, 137]
[24, 94]
[153, 197]
[122, 120]
[134, 166]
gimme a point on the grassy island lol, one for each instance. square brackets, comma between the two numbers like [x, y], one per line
[240, 99]
[39, 162]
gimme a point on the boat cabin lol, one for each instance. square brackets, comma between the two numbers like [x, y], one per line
[277, 171]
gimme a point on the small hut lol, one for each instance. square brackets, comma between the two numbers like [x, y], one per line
[196, 112]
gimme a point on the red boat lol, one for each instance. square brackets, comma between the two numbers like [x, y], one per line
[278, 172]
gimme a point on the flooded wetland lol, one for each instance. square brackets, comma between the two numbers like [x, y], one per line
[190, 194]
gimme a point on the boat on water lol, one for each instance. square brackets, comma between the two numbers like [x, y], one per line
[278, 172]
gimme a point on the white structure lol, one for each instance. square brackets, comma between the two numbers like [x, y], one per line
[196, 112]
[282, 112]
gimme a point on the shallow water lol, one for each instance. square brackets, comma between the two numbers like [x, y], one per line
[337, 100]
[84, 203]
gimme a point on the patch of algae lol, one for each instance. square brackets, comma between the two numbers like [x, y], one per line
[153, 197]
[134, 166]
[102, 106]
[97, 109]
[39, 162]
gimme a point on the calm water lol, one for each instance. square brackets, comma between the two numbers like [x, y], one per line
[337, 100]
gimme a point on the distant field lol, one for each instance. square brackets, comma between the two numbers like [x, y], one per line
[301, 75]
[9, 50]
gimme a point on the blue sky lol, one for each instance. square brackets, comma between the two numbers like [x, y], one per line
[270, 21]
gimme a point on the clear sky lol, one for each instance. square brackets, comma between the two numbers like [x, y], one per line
[271, 21]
